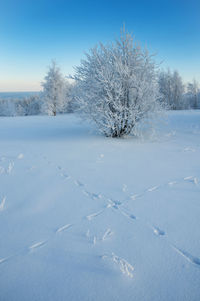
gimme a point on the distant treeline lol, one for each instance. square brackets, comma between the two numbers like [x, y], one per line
[29, 105]
[173, 93]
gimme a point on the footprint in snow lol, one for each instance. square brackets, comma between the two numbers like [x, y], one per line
[172, 183]
[158, 231]
[124, 188]
[96, 196]
[2, 260]
[124, 266]
[152, 188]
[189, 149]
[78, 183]
[134, 196]
[37, 245]
[10, 167]
[20, 156]
[2, 170]
[191, 179]
[63, 228]
[113, 204]
[107, 234]
[66, 176]
[91, 216]
[2, 204]
[59, 167]
[131, 216]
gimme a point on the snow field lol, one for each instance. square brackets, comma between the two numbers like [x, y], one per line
[84, 217]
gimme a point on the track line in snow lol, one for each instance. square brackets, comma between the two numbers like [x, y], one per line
[130, 216]
[192, 259]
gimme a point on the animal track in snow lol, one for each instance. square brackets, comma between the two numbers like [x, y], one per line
[2, 204]
[131, 216]
[188, 256]
[66, 176]
[191, 179]
[158, 231]
[10, 167]
[189, 149]
[93, 196]
[113, 204]
[63, 228]
[134, 196]
[172, 183]
[195, 181]
[20, 156]
[124, 266]
[78, 183]
[2, 260]
[2, 170]
[91, 238]
[124, 188]
[59, 167]
[91, 216]
[96, 196]
[37, 245]
[107, 234]
[152, 188]
[32, 168]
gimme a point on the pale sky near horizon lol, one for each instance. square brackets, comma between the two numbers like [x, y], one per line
[34, 32]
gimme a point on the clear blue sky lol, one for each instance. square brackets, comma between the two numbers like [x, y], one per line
[34, 32]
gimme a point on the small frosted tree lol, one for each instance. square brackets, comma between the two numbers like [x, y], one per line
[171, 89]
[178, 91]
[194, 91]
[54, 90]
[116, 86]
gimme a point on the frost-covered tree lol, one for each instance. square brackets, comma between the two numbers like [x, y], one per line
[54, 90]
[116, 86]
[178, 91]
[171, 88]
[165, 87]
[194, 94]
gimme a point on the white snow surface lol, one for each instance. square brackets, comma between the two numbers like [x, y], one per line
[84, 217]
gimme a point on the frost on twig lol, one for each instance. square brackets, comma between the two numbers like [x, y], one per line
[124, 266]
